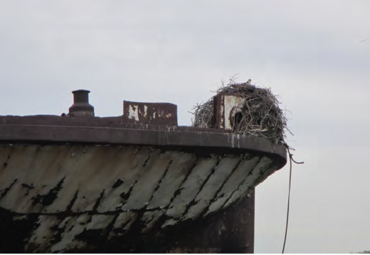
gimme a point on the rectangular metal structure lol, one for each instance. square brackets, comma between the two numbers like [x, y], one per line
[150, 113]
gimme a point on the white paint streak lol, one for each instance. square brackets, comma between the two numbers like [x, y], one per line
[230, 102]
[133, 112]
[145, 111]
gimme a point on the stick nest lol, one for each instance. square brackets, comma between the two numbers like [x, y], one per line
[260, 114]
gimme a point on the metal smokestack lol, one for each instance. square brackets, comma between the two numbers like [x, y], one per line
[81, 106]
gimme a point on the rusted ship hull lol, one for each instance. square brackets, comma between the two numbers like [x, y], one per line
[83, 183]
[67, 196]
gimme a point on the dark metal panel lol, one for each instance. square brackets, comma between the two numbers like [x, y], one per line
[32, 133]
[231, 231]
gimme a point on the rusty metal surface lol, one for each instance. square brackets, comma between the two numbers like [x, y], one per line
[59, 129]
[81, 106]
[229, 232]
[150, 113]
[65, 197]
[132, 183]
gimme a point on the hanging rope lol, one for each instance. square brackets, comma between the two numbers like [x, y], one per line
[290, 185]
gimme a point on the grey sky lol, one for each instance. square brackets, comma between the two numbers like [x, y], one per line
[314, 54]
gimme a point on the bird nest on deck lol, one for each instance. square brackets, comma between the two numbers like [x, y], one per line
[259, 116]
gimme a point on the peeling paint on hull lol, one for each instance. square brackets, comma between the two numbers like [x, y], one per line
[72, 197]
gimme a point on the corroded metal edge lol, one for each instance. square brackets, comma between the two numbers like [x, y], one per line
[112, 131]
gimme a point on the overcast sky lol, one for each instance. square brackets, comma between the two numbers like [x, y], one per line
[314, 54]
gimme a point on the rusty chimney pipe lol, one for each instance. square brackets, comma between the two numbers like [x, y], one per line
[81, 106]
